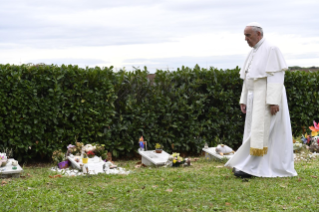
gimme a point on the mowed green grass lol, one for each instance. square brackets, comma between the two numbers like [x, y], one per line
[205, 186]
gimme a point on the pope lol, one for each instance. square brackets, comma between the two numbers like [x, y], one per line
[267, 148]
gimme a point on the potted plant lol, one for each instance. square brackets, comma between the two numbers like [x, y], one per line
[78, 147]
[59, 157]
[99, 150]
[85, 158]
[158, 148]
[104, 155]
[90, 154]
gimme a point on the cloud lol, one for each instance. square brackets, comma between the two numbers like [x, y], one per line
[123, 30]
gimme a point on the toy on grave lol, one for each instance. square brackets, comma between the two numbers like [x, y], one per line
[141, 143]
[314, 147]
[224, 150]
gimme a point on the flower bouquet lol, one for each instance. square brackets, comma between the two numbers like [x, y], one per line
[90, 154]
[312, 140]
[99, 150]
[59, 157]
[177, 160]
[297, 145]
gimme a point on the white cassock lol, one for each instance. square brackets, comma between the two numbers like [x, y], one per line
[266, 135]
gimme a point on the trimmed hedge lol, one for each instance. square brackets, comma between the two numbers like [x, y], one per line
[44, 108]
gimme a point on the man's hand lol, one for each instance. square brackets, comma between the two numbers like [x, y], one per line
[274, 109]
[243, 108]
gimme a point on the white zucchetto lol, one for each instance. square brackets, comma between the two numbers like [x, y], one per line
[254, 24]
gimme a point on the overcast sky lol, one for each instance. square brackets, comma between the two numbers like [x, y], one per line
[158, 34]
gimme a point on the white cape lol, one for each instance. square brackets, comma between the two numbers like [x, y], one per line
[279, 161]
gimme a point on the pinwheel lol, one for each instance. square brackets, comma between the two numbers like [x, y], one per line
[314, 129]
[305, 138]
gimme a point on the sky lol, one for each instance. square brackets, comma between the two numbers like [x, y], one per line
[161, 34]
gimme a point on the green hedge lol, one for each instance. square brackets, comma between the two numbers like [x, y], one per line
[303, 99]
[44, 108]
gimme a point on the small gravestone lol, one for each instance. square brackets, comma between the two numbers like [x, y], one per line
[151, 158]
[10, 170]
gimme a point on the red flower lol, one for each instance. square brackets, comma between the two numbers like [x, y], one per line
[90, 153]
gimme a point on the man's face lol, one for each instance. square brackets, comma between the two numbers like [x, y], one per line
[252, 37]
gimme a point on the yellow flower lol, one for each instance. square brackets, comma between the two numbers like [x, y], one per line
[174, 161]
[314, 133]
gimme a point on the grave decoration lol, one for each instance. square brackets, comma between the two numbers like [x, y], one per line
[220, 152]
[311, 141]
[100, 150]
[158, 148]
[93, 167]
[142, 144]
[90, 154]
[4, 156]
[59, 158]
[224, 150]
[297, 145]
[9, 166]
[75, 149]
[85, 158]
[177, 159]
[3, 159]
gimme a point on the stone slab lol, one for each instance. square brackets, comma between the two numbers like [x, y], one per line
[151, 158]
[7, 171]
[93, 163]
[210, 153]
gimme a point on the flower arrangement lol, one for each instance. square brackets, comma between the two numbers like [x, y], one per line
[99, 150]
[297, 145]
[158, 146]
[177, 159]
[90, 154]
[85, 158]
[78, 147]
[104, 156]
[7, 151]
[310, 141]
[75, 149]
[58, 156]
[313, 138]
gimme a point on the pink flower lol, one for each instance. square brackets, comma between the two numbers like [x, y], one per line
[70, 146]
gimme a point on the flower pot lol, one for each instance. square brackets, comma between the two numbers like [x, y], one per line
[158, 150]
[63, 164]
[85, 160]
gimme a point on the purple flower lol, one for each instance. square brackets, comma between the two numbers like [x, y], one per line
[70, 146]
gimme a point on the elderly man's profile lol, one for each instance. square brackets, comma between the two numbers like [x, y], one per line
[267, 148]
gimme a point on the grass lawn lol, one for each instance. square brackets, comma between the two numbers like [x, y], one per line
[205, 186]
